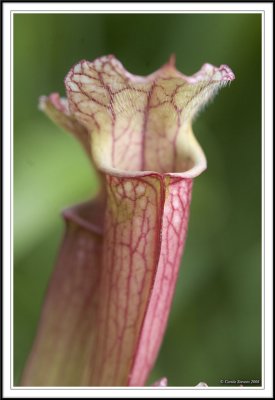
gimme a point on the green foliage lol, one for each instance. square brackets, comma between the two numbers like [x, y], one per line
[214, 330]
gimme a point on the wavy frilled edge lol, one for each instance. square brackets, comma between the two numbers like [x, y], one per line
[103, 97]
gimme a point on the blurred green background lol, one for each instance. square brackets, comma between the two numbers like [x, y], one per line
[214, 329]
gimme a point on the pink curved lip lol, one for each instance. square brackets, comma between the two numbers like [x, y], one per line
[226, 74]
[190, 173]
[220, 74]
[60, 103]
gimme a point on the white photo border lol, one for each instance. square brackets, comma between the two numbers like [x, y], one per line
[266, 10]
